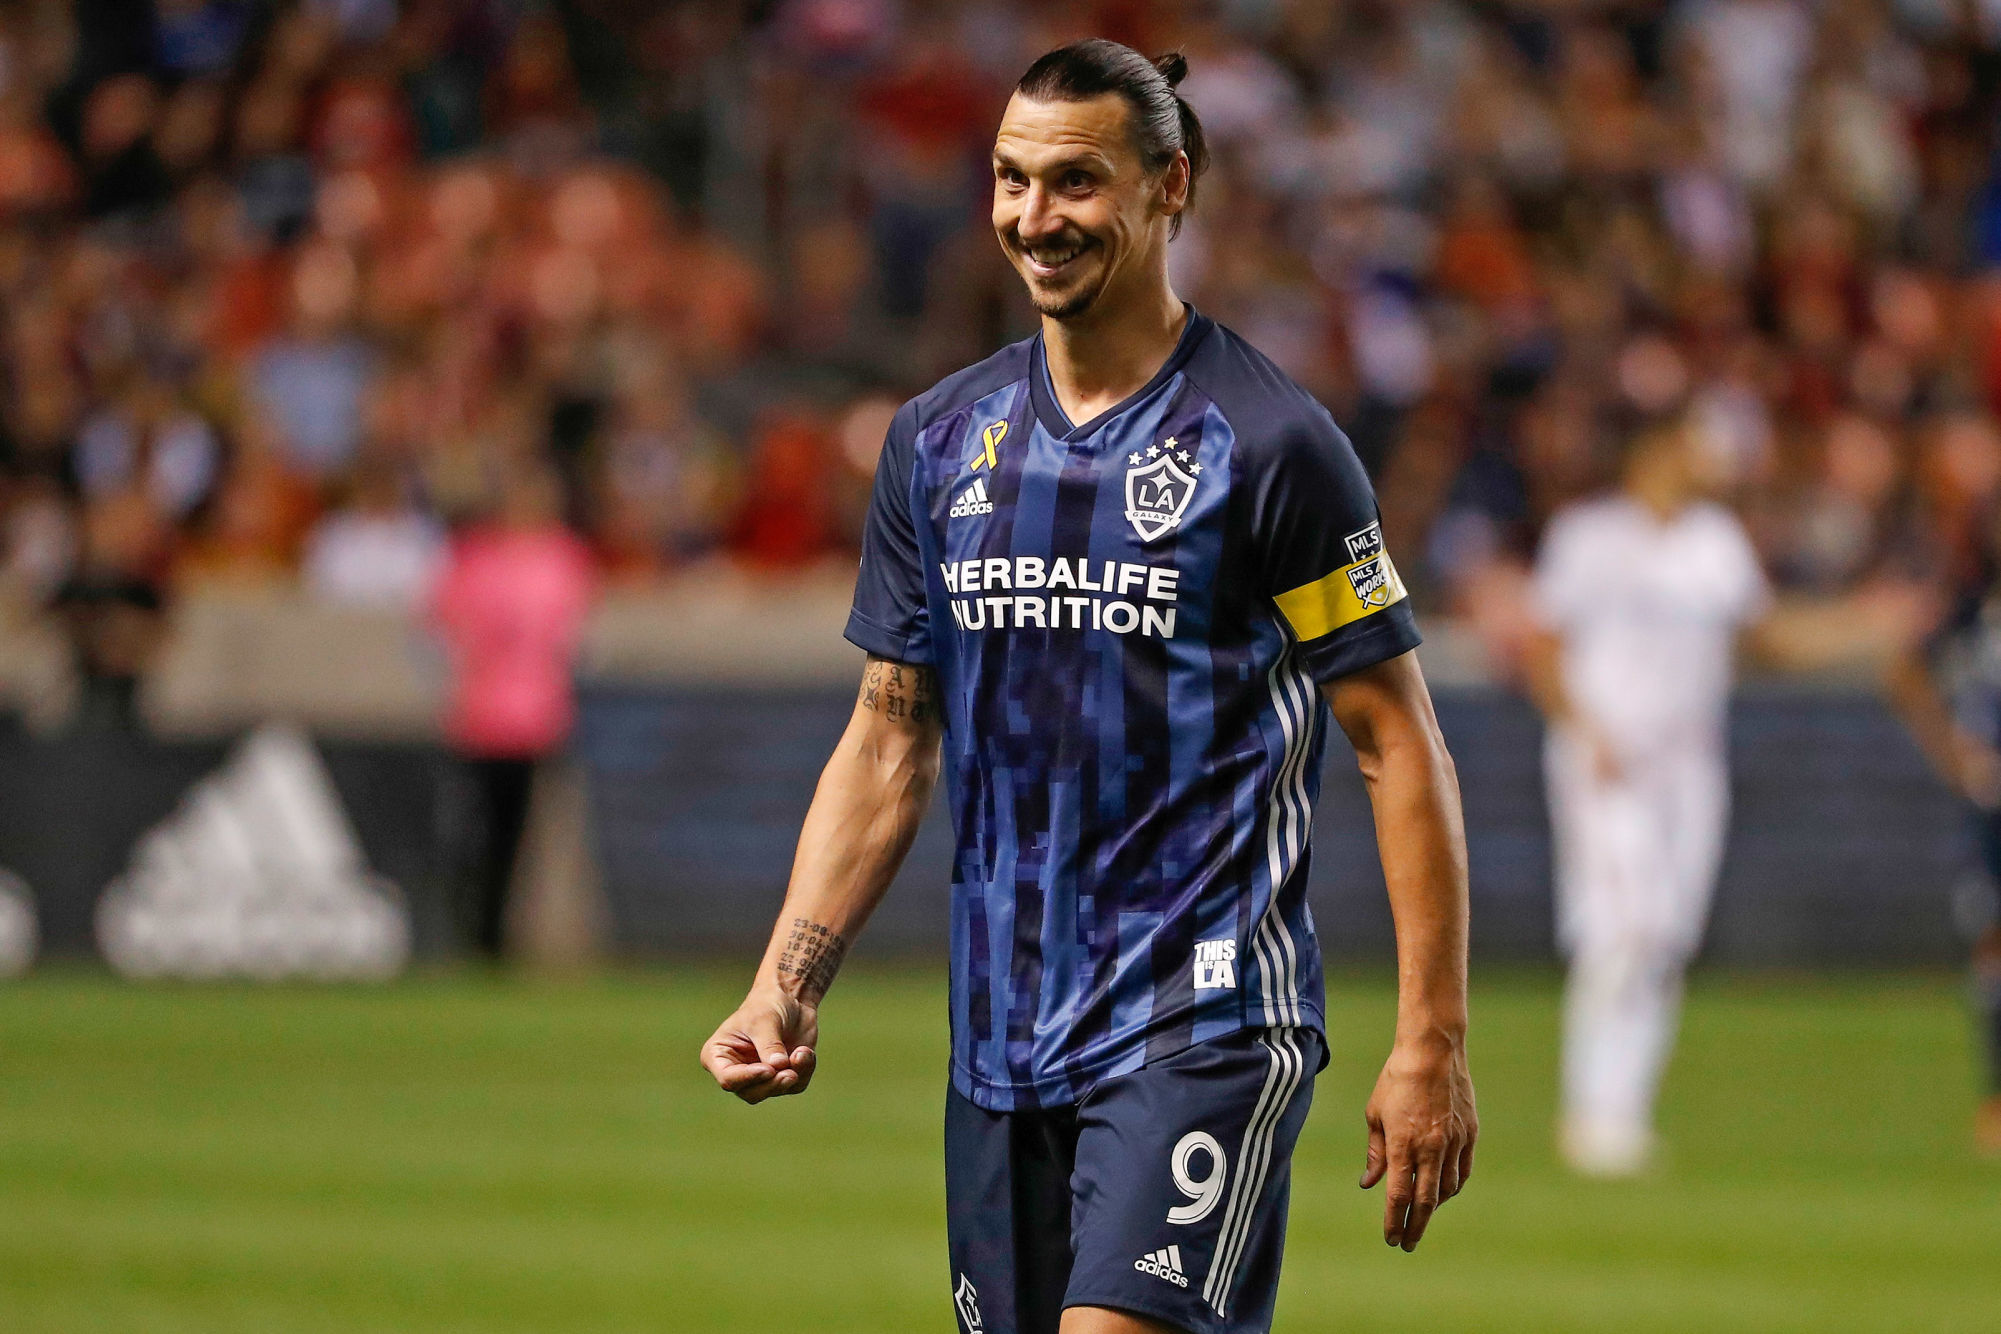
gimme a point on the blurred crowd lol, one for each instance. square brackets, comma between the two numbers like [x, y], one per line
[290, 291]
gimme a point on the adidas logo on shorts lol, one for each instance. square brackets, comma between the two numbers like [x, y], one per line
[973, 500]
[1163, 1263]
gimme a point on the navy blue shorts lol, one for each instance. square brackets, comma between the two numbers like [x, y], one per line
[1162, 1193]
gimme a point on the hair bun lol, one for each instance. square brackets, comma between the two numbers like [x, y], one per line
[1173, 67]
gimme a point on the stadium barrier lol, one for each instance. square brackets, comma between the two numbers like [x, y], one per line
[707, 710]
[1843, 850]
[74, 809]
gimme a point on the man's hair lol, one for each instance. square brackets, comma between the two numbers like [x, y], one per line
[1163, 124]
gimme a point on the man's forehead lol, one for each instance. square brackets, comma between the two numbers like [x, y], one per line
[1031, 129]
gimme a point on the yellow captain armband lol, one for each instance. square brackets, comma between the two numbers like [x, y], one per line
[1343, 597]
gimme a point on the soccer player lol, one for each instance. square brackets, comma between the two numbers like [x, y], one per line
[1948, 691]
[1126, 572]
[1642, 599]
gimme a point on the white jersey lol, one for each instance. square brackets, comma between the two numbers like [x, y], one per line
[1648, 614]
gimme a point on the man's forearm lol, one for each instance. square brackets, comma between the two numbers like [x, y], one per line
[1542, 676]
[1917, 702]
[865, 812]
[1421, 838]
[1422, 841]
[864, 815]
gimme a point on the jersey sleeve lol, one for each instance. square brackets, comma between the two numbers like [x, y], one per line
[890, 617]
[1752, 591]
[1321, 552]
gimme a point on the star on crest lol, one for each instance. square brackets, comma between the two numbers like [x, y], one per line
[1133, 457]
[1170, 442]
[1196, 469]
[1183, 456]
[1152, 450]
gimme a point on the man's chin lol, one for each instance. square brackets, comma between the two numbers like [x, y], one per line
[1064, 303]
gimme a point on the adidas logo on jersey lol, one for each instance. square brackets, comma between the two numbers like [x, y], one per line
[1163, 1263]
[973, 500]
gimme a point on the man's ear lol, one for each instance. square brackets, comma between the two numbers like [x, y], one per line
[1173, 197]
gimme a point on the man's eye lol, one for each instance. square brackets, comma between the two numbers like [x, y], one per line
[1076, 180]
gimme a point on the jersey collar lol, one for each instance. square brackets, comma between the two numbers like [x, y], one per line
[1050, 413]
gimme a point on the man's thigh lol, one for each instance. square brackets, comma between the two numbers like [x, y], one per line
[1007, 1211]
[1624, 877]
[1603, 846]
[1183, 1177]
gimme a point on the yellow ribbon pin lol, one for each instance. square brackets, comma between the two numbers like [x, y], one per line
[992, 436]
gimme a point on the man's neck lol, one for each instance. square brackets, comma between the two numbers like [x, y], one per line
[1665, 501]
[1103, 357]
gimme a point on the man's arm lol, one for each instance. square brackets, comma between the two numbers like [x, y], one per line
[1860, 630]
[865, 812]
[1970, 765]
[1542, 676]
[1422, 1123]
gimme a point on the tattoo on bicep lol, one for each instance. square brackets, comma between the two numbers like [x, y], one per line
[896, 693]
[898, 690]
[813, 955]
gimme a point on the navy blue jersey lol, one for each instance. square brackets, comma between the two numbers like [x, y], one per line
[1127, 618]
[1965, 655]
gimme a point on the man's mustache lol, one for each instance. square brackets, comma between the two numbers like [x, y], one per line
[1062, 241]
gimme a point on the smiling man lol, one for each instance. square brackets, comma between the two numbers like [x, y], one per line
[1122, 576]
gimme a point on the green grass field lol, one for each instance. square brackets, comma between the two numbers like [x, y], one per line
[470, 1154]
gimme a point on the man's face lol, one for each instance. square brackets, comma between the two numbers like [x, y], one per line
[1074, 207]
[1678, 462]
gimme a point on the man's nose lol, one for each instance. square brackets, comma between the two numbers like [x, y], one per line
[1039, 216]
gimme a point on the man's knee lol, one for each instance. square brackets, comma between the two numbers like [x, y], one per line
[1621, 958]
[1099, 1320]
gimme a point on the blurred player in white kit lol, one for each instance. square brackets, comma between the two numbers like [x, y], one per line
[1643, 598]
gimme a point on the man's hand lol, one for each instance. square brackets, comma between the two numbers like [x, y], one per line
[1976, 770]
[765, 1049]
[1421, 1132]
[1608, 766]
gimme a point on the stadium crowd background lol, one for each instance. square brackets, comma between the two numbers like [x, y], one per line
[292, 292]
[289, 290]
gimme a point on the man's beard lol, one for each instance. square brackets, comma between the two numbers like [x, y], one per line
[1067, 305]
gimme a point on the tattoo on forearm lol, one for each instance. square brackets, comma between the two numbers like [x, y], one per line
[812, 955]
[900, 691]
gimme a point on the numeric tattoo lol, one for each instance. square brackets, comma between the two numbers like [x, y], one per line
[812, 955]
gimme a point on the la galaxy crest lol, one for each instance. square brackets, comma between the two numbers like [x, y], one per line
[967, 1299]
[1159, 484]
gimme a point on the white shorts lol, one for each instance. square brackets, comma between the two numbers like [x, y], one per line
[1636, 858]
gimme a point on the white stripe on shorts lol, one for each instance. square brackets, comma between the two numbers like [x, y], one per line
[1253, 1160]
